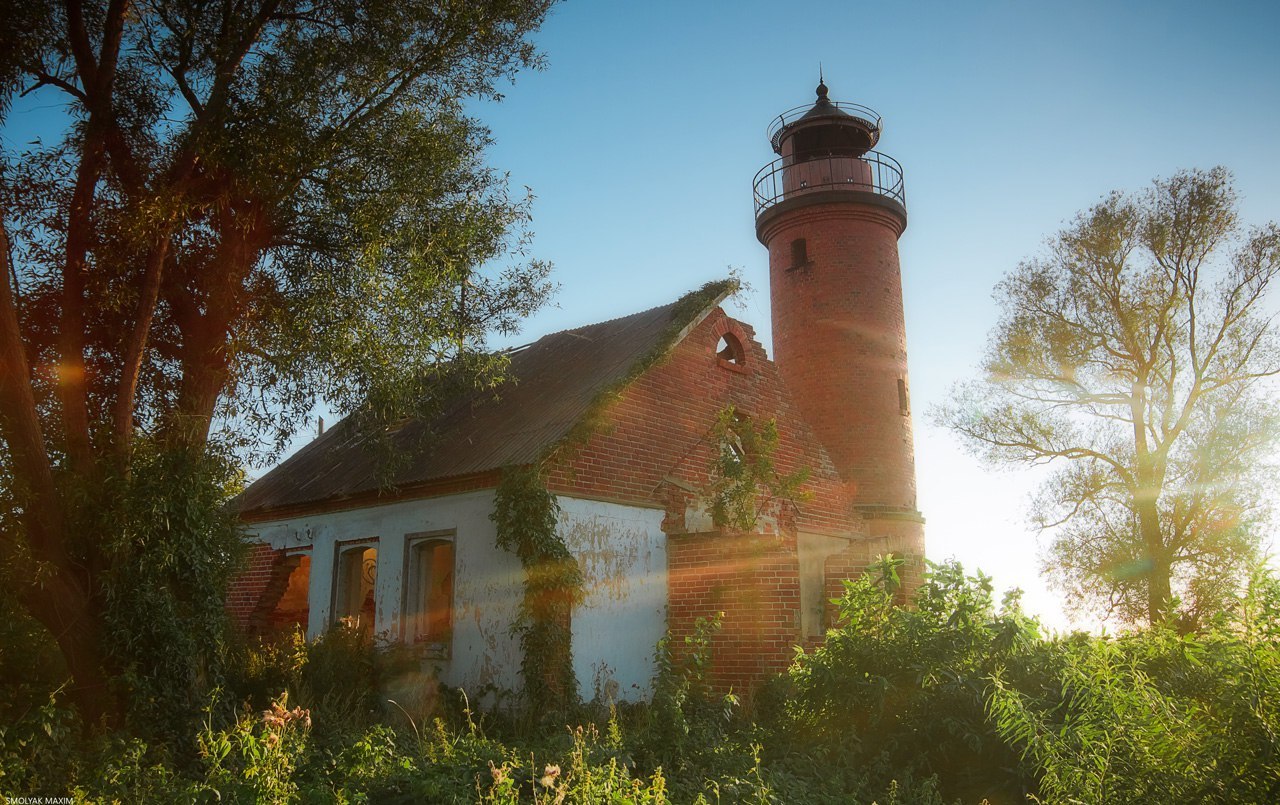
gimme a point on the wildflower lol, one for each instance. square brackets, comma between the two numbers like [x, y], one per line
[549, 775]
[499, 773]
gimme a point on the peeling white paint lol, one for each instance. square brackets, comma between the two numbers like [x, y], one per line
[623, 555]
[487, 581]
[621, 550]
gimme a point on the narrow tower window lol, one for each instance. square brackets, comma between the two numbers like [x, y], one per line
[904, 404]
[799, 253]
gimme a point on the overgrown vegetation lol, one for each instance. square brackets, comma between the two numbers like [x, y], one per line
[526, 515]
[683, 313]
[953, 700]
[249, 206]
[743, 475]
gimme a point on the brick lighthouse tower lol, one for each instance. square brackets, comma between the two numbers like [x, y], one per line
[831, 210]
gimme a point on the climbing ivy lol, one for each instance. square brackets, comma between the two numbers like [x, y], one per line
[526, 515]
[743, 468]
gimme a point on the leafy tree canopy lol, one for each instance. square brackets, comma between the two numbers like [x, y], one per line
[253, 205]
[1132, 357]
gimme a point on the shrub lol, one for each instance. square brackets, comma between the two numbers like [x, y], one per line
[1157, 716]
[900, 693]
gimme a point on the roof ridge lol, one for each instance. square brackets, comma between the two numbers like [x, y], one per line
[648, 310]
[549, 406]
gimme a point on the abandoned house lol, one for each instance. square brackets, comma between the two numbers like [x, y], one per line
[622, 417]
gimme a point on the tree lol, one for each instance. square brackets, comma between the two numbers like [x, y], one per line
[255, 203]
[1132, 357]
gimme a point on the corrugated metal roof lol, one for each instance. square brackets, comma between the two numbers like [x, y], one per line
[551, 384]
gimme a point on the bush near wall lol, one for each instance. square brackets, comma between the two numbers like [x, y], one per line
[953, 700]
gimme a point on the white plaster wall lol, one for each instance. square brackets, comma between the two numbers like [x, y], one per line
[621, 550]
[488, 582]
[623, 555]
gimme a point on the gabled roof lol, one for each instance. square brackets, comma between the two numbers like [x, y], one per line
[552, 385]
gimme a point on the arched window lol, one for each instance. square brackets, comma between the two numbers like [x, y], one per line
[729, 350]
[355, 580]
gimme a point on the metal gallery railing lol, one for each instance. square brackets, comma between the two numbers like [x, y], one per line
[789, 177]
[864, 114]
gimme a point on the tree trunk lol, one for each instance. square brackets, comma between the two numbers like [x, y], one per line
[64, 608]
[1159, 583]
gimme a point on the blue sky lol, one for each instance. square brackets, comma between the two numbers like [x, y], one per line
[642, 136]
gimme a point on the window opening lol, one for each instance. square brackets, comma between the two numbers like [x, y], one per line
[729, 349]
[799, 253]
[292, 609]
[732, 449]
[355, 580]
[904, 404]
[428, 596]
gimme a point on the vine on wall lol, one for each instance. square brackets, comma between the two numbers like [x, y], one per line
[743, 473]
[526, 514]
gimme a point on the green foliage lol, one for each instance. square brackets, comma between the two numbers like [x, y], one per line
[345, 677]
[310, 170]
[250, 207]
[1133, 357]
[255, 760]
[901, 692]
[526, 515]
[954, 701]
[1155, 716]
[743, 473]
[37, 742]
[684, 713]
[164, 544]
[169, 544]
[592, 775]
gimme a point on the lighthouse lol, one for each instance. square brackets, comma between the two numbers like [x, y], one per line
[830, 210]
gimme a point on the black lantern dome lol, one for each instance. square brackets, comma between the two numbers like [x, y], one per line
[828, 128]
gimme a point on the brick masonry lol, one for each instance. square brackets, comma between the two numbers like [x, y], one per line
[657, 445]
[246, 592]
[840, 341]
[655, 450]
[753, 579]
[840, 344]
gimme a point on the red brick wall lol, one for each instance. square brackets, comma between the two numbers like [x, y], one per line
[254, 597]
[661, 431]
[840, 344]
[754, 580]
[246, 589]
[661, 426]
